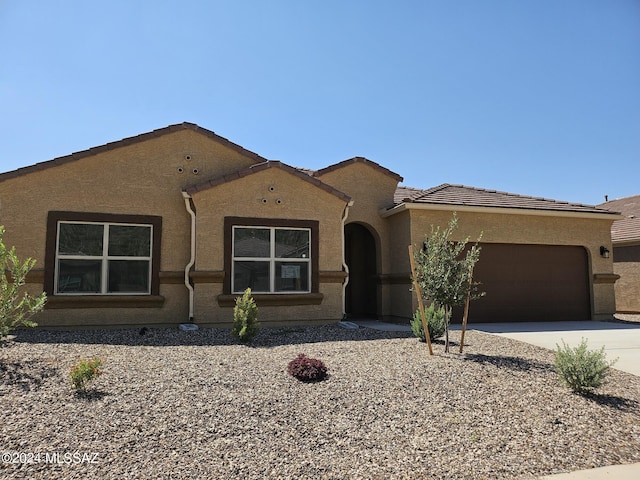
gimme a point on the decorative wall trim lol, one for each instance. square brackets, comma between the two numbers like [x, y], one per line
[605, 278]
[275, 300]
[104, 301]
[330, 276]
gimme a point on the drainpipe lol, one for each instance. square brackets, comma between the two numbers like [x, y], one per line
[192, 260]
[344, 261]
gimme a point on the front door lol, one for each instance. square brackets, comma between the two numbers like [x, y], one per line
[360, 255]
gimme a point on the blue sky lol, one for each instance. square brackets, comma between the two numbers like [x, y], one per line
[537, 97]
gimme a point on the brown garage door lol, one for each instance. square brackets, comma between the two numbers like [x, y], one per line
[531, 283]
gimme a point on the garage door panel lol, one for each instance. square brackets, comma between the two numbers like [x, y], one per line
[531, 283]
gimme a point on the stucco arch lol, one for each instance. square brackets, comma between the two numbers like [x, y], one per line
[362, 256]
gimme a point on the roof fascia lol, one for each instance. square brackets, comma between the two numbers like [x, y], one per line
[508, 211]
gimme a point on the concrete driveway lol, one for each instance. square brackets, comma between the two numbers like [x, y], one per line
[620, 340]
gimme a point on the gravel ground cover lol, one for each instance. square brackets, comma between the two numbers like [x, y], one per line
[188, 405]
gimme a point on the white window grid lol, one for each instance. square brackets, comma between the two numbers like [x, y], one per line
[104, 258]
[272, 259]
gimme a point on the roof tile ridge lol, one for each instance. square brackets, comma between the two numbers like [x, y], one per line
[357, 159]
[424, 192]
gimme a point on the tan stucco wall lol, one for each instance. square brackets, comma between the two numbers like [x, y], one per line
[589, 233]
[628, 286]
[371, 190]
[141, 178]
[286, 196]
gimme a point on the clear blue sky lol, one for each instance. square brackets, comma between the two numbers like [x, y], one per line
[537, 97]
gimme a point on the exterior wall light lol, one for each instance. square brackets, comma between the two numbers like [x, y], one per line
[604, 252]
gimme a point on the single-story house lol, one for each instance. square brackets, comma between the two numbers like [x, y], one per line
[170, 226]
[625, 235]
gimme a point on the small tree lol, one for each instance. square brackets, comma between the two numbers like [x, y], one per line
[443, 270]
[16, 305]
[245, 317]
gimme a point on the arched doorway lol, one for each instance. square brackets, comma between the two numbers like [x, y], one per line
[361, 258]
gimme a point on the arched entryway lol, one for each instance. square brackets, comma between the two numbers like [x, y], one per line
[361, 257]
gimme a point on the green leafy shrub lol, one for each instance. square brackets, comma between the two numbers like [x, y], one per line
[16, 305]
[245, 318]
[582, 370]
[436, 323]
[307, 369]
[84, 372]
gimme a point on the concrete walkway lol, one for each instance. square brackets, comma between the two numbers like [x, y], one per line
[620, 340]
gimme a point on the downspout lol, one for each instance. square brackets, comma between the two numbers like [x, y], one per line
[192, 260]
[344, 261]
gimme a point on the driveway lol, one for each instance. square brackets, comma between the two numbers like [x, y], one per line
[620, 340]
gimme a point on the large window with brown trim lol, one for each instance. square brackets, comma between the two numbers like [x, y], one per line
[98, 254]
[271, 256]
[271, 259]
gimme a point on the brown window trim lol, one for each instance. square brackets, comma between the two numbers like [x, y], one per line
[50, 254]
[230, 222]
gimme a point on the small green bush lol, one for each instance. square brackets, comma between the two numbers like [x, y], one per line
[435, 322]
[582, 370]
[84, 372]
[245, 318]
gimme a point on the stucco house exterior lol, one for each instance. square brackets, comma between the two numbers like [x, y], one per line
[625, 235]
[170, 226]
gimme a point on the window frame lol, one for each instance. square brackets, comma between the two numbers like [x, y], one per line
[55, 218]
[272, 259]
[272, 224]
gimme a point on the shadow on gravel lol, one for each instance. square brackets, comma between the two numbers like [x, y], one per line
[512, 363]
[91, 395]
[267, 337]
[28, 375]
[615, 402]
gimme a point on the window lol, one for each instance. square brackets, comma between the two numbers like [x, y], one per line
[271, 256]
[93, 254]
[271, 259]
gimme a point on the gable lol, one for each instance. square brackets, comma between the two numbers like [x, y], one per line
[261, 167]
[231, 149]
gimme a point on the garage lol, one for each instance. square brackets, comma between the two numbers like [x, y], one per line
[526, 283]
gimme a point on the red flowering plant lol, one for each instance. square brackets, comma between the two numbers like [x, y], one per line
[307, 369]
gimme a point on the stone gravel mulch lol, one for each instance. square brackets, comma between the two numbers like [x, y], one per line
[188, 405]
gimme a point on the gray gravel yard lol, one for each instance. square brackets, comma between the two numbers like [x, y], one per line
[187, 405]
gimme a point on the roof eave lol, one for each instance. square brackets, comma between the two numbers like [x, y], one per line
[503, 210]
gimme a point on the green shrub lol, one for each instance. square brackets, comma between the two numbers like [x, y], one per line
[16, 305]
[84, 372]
[435, 322]
[245, 318]
[582, 370]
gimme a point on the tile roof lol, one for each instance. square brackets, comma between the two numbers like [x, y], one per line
[130, 141]
[264, 166]
[461, 195]
[628, 228]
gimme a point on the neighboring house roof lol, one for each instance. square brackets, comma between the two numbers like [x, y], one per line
[130, 141]
[461, 195]
[353, 160]
[628, 228]
[263, 166]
